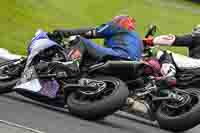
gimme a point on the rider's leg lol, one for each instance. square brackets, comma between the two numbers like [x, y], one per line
[98, 51]
[86, 46]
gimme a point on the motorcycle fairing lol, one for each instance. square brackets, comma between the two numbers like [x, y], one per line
[6, 55]
[29, 80]
[33, 85]
[40, 45]
[183, 62]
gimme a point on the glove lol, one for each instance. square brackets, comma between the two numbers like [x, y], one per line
[56, 36]
[148, 41]
[164, 40]
[72, 39]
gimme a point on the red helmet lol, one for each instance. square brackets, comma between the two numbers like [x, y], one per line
[125, 21]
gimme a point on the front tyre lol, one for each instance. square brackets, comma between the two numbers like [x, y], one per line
[187, 118]
[7, 78]
[98, 107]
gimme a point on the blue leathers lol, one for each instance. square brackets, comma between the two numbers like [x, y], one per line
[119, 42]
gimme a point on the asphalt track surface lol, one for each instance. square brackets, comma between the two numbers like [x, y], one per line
[17, 109]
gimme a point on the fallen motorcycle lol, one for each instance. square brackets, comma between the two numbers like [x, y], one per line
[99, 89]
[174, 108]
[45, 75]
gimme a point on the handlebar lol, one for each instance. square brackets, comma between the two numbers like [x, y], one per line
[59, 34]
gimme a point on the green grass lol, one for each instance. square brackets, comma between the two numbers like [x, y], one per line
[21, 18]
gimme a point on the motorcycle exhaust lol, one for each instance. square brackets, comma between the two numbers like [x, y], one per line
[140, 108]
[137, 105]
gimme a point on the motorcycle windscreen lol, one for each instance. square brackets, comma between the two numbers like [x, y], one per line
[29, 79]
[38, 46]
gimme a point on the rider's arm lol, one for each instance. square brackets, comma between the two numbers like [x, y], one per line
[86, 32]
[173, 40]
[107, 30]
[185, 40]
[103, 31]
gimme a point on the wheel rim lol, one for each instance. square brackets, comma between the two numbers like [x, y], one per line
[85, 99]
[96, 86]
[11, 72]
[3, 75]
[168, 110]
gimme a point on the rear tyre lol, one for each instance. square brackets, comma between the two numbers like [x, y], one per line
[113, 99]
[186, 119]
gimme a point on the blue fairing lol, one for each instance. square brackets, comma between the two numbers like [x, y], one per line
[34, 44]
[39, 43]
[29, 80]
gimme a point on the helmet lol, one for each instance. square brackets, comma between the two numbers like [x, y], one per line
[196, 31]
[124, 21]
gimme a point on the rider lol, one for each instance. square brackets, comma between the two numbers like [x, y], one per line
[170, 62]
[163, 68]
[191, 40]
[119, 36]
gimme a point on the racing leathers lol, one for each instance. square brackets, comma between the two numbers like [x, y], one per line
[186, 66]
[191, 40]
[183, 67]
[119, 42]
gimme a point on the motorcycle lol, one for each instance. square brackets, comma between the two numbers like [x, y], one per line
[45, 75]
[187, 68]
[164, 104]
[99, 89]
